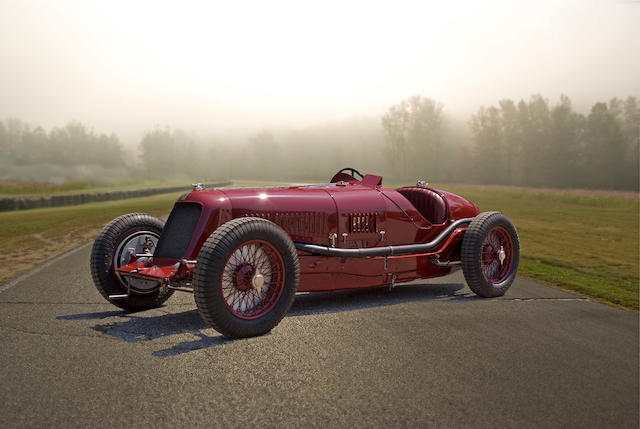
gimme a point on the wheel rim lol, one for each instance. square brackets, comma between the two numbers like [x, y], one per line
[252, 279]
[497, 255]
[139, 242]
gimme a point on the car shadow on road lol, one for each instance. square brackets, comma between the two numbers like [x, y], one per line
[145, 326]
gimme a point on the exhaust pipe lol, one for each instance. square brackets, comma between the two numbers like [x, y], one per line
[405, 249]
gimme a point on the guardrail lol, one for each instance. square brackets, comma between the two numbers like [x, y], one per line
[26, 203]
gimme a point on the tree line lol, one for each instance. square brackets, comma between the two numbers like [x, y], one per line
[70, 152]
[528, 143]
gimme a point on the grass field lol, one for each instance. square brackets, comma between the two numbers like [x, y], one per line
[583, 241]
[22, 188]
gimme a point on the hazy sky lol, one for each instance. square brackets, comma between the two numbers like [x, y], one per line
[125, 66]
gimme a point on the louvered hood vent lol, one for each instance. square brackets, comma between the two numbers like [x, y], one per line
[362, 222]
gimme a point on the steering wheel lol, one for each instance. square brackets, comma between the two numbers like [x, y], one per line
[353, 172]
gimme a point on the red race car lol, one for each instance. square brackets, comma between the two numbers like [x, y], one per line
[245, 252]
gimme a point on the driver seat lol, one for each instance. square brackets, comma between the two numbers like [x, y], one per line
[428, 203]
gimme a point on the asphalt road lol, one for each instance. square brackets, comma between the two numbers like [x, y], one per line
[426, 354]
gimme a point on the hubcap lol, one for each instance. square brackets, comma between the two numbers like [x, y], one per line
[502, 255]
[136, 243]
[257, 282]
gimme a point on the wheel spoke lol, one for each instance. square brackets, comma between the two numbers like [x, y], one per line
[262, 262]
[237, 297]
[254, 295]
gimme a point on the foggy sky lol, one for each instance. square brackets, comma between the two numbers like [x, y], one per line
[125, 67]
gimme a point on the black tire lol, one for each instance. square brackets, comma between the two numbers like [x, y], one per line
[102, 262]
[487, 274]
[273, 254]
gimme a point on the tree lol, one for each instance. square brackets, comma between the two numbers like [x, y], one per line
[487, 135]
[15, 129]
[631, 131]
[158, 153]
[512, 140]
[108, 151]
[605, 149]
[536, 127]
[33, 147]
[188, 158]
[564, 145]
[413, 137]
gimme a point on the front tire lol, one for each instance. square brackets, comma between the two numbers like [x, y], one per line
[490, 254]
[109, 252]
[246, 277]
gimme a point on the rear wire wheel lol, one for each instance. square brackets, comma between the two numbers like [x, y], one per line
[246, 277]
[490, 254]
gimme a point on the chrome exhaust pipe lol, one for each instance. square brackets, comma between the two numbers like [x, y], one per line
[405, 249]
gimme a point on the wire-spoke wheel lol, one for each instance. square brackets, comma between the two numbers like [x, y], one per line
[497, 255]
[252, 279]
[246, 277]
[490, 254]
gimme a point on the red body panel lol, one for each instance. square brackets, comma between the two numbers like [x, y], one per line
[353, 214]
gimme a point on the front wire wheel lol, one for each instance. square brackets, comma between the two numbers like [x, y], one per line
[252, 280]
[246, 277]
[490, 254]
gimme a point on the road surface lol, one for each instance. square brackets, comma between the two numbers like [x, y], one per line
[428, 354]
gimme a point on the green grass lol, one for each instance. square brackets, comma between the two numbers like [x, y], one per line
[581, 241]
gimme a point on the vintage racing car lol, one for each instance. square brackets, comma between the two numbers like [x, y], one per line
[245, 252]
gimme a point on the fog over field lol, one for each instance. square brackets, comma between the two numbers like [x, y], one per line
[296, 90]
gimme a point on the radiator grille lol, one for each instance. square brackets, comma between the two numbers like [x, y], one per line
[177, 232]
[362, 222]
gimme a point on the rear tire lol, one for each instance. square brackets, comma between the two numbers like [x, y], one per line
[246, 277]
[103, 262]
[490, 254]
